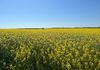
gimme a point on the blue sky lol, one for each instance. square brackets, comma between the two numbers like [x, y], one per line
[49, 13]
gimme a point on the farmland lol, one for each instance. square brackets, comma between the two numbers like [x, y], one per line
[50, 49]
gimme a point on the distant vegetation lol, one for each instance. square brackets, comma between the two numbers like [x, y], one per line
[59, 28]
[71, 27]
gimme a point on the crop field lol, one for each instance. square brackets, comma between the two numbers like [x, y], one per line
[50, 49]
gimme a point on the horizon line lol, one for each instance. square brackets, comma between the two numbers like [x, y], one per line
[48, 27]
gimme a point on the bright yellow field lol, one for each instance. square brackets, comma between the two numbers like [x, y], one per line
[50, 49]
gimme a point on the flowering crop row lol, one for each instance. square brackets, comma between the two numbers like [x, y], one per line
[50, 49]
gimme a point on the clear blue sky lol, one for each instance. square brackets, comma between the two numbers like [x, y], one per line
[49, 13]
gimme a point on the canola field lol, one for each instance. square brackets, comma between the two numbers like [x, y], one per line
[50, 49]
